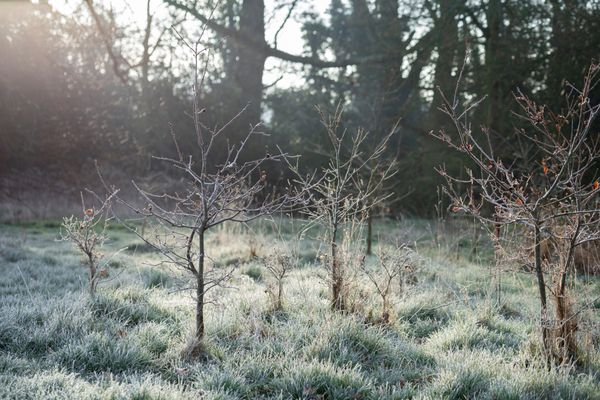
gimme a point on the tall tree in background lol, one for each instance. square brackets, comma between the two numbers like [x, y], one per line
[249, 50]
[573, 43]
[447, 43]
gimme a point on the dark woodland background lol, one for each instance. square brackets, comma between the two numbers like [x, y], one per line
[85, 85]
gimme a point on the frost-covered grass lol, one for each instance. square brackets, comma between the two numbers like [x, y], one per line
[448, 339]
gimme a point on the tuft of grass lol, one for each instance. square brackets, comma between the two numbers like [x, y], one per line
[374, 349]
[314, 380]
[42, 328]
[474, 334]
[155, 338]
[96, 353]
[49, 260]
[419, 318]
[129, 307]
[117, 264]
[491, 375]
[140, 248]
[13, 254]
[155, 278]
[254, 272]
[461, 384]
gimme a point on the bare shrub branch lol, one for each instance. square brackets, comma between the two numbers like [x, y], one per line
[552, 195]
[345, 192]
[88, 234]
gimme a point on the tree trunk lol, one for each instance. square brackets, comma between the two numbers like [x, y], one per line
[200, 291]
[230, 50]
[565, 332]
[249, 67]
[494, 66]
[542, 292]
[564, 313]
[369, 232]
[497, 253]
[561, 48]
[337, 284]
[385, 315]
[280, 294]
[447, 42]
[92, 275]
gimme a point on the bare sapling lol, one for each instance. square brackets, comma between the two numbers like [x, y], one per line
[394, 267]
[211, 195]
[88, 234]
[347, 190]
[351, 258]
[282, 259]
[279, 262]
[552, 195]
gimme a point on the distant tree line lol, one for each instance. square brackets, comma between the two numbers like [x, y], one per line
[85, 84]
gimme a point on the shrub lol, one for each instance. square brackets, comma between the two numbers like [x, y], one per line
[88, 234]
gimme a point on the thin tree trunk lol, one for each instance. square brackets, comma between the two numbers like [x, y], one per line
[280, 294]
[369, 232]
[497, 259]
[565, 319]
[200, 291]
[385, 315]
[336, 274]
[92, 275]
[542, 292]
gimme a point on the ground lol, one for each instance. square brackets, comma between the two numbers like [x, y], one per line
[453, 335]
